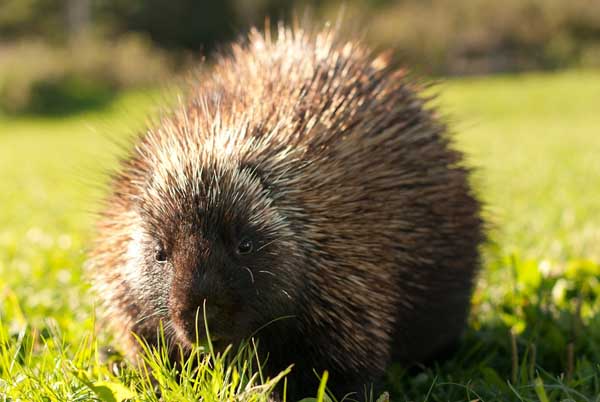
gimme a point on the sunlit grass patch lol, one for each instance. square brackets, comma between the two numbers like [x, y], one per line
[44, 366]
[534, 331]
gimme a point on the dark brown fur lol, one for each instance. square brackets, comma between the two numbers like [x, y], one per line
[364, 228]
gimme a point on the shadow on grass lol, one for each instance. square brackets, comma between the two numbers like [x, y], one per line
[62, 97]
[536, 338]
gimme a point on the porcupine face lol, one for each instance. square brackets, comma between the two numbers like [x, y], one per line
[214, 238]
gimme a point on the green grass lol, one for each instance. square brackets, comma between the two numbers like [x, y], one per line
[534, 333]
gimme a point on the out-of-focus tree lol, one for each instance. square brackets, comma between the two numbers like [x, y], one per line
[433, 36]
[179, 24]
[175, 24]
[45, 18]
[53, 20]
[190, 24]
[78, 17]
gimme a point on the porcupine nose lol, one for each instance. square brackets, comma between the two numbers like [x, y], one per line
[195, 319]
[199, 303]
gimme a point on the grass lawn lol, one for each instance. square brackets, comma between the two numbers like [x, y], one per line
[534, 333]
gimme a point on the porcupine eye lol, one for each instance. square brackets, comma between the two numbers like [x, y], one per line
[160, 255]
[245, 246]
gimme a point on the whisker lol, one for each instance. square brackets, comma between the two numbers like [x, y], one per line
[170, 336]
[159, 312]
[266, 244]
[284, 317]
[251, 274]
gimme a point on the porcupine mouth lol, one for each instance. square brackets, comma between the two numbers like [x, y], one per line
[193, 331]
[187, 342]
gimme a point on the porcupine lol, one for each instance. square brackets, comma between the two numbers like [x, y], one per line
[305, 193]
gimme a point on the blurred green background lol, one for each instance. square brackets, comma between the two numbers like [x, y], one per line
[520, 86]
[58, 56]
